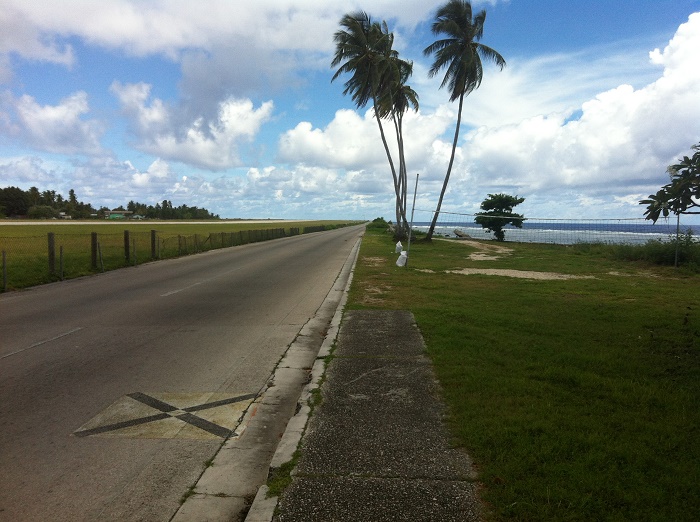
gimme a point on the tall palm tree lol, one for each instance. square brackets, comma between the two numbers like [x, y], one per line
[461, 53]
[364, 50]
[396, 97]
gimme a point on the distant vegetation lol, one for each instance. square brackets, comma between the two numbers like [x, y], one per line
[47, 204]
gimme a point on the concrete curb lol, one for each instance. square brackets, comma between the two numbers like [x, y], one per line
[263, 508]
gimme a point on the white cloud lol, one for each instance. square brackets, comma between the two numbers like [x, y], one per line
[168, 26]
[219, 40]
[349, 141]
[538, 143]
[53, 128]
[27, 171]
[209, 144]
[623, 139]
[133, 98]
[158, 171]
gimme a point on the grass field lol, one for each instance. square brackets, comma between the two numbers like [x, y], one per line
[577, 398]
[25, 246]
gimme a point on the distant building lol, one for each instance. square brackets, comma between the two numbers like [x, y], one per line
[117, 214]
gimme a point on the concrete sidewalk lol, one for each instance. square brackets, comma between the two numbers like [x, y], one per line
[376, 449]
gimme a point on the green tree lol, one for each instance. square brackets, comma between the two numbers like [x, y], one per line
[499, 213]
[681, 194]
[14, 201]
[42, 212]
[364, 50]
[48, 197]
[460, 53]
[34, 196]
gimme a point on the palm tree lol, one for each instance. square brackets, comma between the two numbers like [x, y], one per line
[461, 54]
[395, 99]
[364, 50]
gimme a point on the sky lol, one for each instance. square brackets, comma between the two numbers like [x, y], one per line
[229, 106]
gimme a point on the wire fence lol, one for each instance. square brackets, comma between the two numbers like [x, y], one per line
[558, 231]
[34, 260]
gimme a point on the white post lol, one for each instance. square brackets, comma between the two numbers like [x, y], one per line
[410, 228]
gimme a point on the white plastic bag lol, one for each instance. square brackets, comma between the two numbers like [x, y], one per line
[401, 261]
[399, 247]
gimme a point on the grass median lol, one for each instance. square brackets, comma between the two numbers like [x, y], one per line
[572, 378]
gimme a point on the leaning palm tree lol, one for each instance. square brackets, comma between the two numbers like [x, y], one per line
[461, 54]
[364, 51]
[396, 97]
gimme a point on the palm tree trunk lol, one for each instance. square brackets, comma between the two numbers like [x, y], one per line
[403, 178]
[397, 189]
[431, 230]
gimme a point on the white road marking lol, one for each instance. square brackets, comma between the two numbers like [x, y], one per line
[43, 342]
[181, 289]
[200, 282]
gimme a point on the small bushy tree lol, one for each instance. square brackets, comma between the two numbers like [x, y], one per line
[681, 194]
[499, 213]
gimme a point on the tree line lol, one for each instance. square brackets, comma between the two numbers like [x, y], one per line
[48, 204]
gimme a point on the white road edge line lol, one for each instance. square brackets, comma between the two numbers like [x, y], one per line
[43, 342]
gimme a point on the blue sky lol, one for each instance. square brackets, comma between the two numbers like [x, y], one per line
[230, 107]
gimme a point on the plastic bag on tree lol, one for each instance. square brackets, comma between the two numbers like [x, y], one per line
[399, 247]
[401, 261]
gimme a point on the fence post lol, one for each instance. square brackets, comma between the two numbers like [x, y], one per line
[127, 255]
[60, 249]
[99, 250]
[52, 254]
[153, 244]
[93, 250]
[4, 272]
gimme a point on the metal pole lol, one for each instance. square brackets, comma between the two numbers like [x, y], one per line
[410, 227]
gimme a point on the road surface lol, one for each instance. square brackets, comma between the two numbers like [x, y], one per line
[116, 389]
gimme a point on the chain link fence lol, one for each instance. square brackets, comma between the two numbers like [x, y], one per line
[34, 260]
[557, 231]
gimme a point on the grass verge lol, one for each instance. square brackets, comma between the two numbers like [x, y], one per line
[25, 257]
[577, 398]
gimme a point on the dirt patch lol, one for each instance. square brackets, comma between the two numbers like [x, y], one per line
[374, 261]
[485, 251]
[521, 274]
[636, 274]
[492, 251]
[482, 256]
[373, 295]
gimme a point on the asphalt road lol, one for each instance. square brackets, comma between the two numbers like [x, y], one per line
[180, 344]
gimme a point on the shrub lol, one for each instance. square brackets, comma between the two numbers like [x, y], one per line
[378, 224]
[42, 212]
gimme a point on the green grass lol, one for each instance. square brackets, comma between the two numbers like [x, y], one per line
[576, 398]
[26, 246]
[280, 478]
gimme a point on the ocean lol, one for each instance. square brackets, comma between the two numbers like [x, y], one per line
[569, 232]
